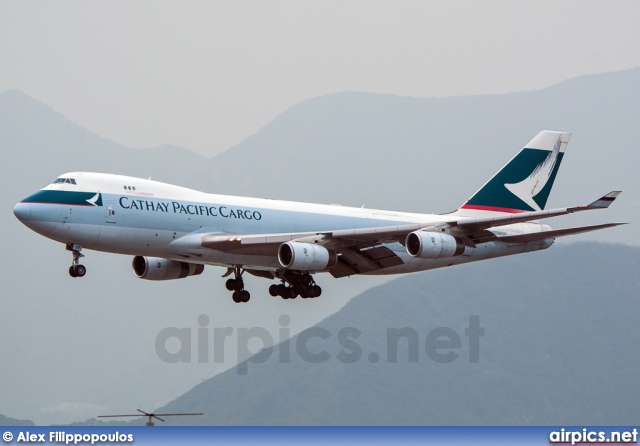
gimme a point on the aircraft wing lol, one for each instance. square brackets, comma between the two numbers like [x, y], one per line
[468, 226]
[256, 244]
[463, 227]
[360, 251]
[521, 238]
[351, 258]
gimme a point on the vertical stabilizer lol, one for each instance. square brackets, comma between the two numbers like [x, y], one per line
[525, 182]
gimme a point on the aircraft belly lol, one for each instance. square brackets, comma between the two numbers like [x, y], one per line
[135, 241]
[82, 234]
[81, 225]
[69, 224]
[214, 257]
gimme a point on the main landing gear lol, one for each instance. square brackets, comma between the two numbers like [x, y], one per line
[301, 285]
[240, 295]
[76, 270]
[294, 284]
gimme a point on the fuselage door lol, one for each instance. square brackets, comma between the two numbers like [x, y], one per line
[111, 212]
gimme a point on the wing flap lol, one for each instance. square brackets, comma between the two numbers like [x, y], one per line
[250, 244]
[382, 233]
[221, 241]
[355, 261]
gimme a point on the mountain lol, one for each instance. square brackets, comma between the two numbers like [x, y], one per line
[40, 144]
[431, 154]
[6, 421]
[557, 345]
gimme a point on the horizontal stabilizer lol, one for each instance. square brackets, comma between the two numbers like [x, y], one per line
[521, 238]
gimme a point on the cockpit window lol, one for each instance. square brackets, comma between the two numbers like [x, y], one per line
[64, 180]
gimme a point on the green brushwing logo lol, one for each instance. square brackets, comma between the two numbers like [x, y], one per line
[524, 184]
[96, 200]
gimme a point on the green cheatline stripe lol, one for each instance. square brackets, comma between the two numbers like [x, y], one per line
[63, 197]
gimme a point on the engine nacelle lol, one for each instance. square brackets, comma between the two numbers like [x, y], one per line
[156, 268]
[306, 256]
[433, 245]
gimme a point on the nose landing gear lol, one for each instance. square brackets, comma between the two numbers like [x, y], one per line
[76, 270]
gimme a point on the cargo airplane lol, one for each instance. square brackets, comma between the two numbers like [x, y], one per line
[173, 232]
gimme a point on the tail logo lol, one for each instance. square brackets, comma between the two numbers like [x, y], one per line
[527, 189]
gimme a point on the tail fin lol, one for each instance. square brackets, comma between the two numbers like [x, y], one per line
[524, 184]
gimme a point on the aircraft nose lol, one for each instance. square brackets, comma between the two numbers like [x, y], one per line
[22, 211]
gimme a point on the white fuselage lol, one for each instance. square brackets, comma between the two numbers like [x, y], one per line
[127, 215]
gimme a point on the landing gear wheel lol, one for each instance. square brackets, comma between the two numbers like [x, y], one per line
[298, 283]
[237, 286]
[273, 290]
[241, 296]
[76, 270]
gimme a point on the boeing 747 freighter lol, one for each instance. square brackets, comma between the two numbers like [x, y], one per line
[173, 232]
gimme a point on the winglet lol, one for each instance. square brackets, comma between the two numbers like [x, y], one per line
[604, 202]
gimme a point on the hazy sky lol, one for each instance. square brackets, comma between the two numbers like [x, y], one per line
[205, 75]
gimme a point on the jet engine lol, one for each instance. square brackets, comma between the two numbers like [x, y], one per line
[306, 256]
[156, 268]
[433, 245]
